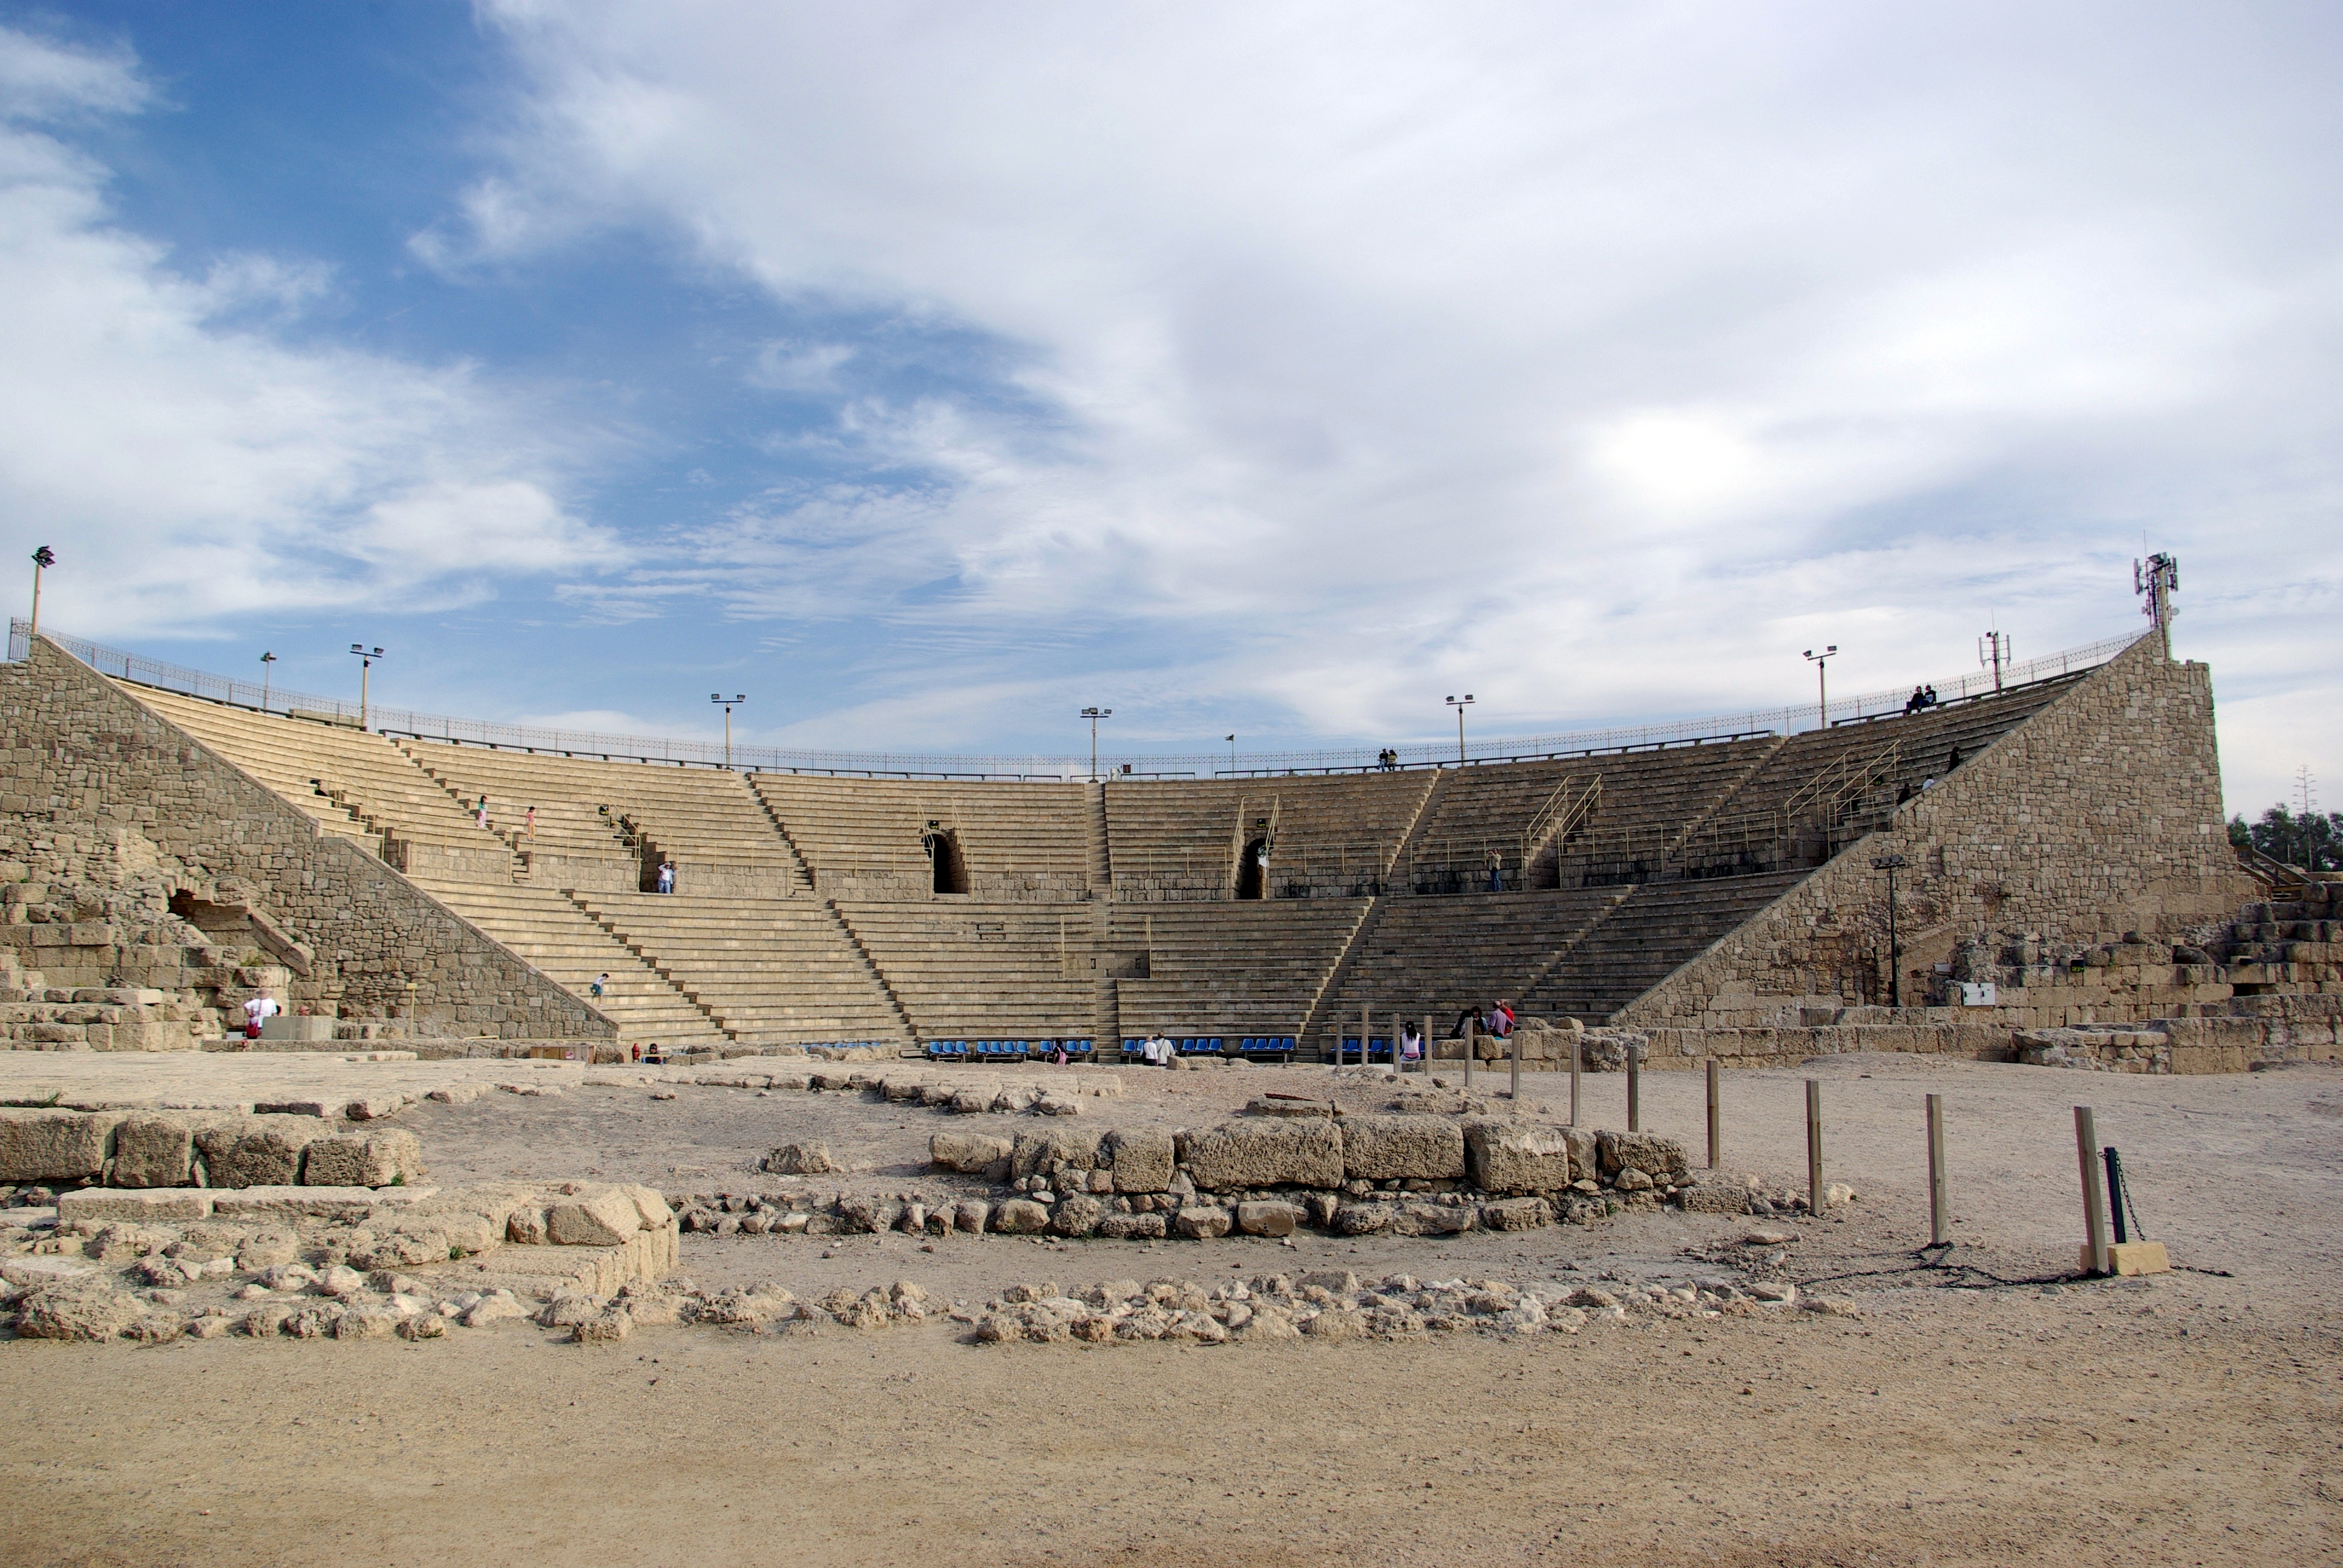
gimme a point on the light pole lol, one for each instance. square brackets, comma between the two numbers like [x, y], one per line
[728, 702]
[1891, 864]
[266, 661]
[1460, 704]
[366, 657]
[1095, 715]
[1821, 661]
[43, 558]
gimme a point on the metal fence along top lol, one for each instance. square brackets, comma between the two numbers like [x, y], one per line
[141, 670]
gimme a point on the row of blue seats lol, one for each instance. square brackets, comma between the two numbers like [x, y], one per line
[1004, 1050]
[1214, 1045]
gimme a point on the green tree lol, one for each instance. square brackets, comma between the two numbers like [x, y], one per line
[2314, 841]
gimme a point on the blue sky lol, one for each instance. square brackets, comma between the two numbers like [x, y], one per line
[928, 372]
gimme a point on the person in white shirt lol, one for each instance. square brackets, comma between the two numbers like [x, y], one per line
[261, 1008]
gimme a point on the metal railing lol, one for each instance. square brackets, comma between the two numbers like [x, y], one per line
[396, 721]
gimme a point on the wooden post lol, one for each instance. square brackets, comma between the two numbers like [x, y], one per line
[1715, 1128]
[1514, 1040]
[1634, 1090]
[2095, 1198]
[1575, 1051]
[1366, 1033]
[1814, 1147]
[1936, 1237]
[1472, 1048]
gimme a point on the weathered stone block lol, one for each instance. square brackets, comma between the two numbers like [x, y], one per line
[1202, 1224]
[256, 1150]
[1077, 1215]
[1516, 1214]
[1142, 1157]
[1303, 1152]
[377, 1159]
[1518, 1156]
[154, 1150]
[1057, 1145]
[49, 1145]
[595, 1217]
[145, 1205]
[1020, 1217]
[1403, 1148]
[970, 1153]
[1268, 1219]
[1655, 1156]
[800, 1160]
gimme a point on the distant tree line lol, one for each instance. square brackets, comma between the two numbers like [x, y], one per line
[2314, 841]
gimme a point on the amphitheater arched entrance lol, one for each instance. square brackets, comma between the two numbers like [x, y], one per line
[948, 865]
[1253, 869]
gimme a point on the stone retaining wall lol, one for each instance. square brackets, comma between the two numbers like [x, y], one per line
[2100, 815]
[81, 762]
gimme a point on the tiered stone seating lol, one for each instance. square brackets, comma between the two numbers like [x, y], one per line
[569, 827]
[705, 819]
[1441, 955]
[862, 837]
[772, 971]
[1336, 835]
[971, 970]
[1822, 789]
[1660, 928]
[1232, 968]
[1645, 799]
[350, 781]
[562, 943]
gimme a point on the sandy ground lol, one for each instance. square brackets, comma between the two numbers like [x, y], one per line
[1973, 1413]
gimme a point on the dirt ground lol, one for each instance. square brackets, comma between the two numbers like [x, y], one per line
[1979, 1412]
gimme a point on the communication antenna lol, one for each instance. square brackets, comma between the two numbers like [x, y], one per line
[2157, 579]
[1992, 651]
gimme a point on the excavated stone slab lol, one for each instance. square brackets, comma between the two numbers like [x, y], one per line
[1302, 1151]
[141, 1205]
[371, 1158]
[1403, 1148]
[1143, 1159]
[1064, 1145]
[49, 1145]
[968, 1153]
[1660, 1158]
[1518, 1156]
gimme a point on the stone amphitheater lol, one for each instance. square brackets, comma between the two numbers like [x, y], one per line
[516, 1096]
[2064, 845]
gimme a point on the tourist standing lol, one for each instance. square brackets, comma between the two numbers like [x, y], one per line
[666, 877]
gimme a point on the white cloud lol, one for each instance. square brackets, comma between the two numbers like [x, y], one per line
[190, 464]
[1599, 360]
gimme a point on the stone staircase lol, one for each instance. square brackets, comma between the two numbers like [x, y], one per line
[768, 972]
[561, 941]
[1435, 957]
[351, 782]
[1658, 930]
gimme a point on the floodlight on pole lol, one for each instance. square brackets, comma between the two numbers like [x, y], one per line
[728, 703]
[266, 660]
[1095, 715]
[43, 559]
[1821, 661]
[1891, 864]
[366, 657]
[1460, 704]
